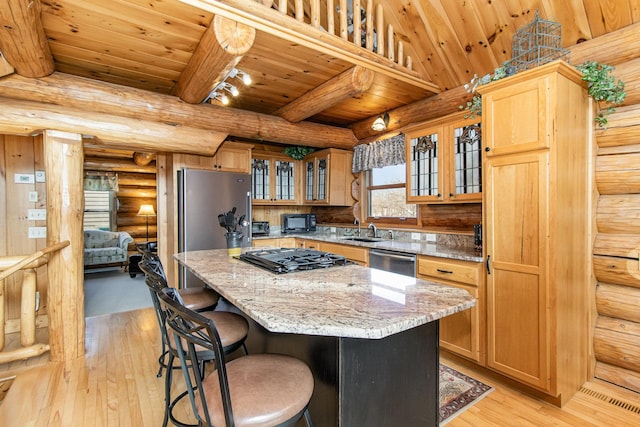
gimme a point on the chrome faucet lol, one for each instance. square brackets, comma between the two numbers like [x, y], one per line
[357, 221]
[373, 227]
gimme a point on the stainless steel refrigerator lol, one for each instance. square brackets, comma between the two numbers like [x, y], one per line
[202, 196]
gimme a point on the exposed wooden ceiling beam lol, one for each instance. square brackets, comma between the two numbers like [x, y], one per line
[426, 109]
[273, 22]
[344, 86]
[220, 49]
[22, 39]
[30, 117]
[82, 95]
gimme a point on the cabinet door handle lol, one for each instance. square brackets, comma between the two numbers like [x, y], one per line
[488, 262]
[439, 270]
[487, 149]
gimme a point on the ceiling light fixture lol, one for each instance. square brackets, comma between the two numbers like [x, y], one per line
[380, 123]
[218, 92]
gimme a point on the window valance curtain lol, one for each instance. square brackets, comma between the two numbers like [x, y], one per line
[378, 154]
[101, 182]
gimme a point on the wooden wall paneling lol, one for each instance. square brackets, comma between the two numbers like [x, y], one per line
[41, 188]
[450, 217]
[20, 158]
[3, 198]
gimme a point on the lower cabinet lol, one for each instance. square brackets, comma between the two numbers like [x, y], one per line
[284, 242]
[461, 333]
[352, 253]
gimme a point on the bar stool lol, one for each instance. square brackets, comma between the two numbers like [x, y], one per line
[256, 390]
[234, 330]
[198, 299]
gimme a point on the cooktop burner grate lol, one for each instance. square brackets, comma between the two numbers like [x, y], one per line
[285, 260]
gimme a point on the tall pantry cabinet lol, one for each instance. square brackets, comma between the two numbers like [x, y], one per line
[537, 222]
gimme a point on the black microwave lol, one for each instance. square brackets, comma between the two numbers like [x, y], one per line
[298, 223]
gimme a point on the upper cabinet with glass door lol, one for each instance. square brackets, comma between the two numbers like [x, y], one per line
[328, 178]
[444, 159]
[273, 179]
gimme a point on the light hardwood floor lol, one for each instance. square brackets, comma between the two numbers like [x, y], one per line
[115, 384]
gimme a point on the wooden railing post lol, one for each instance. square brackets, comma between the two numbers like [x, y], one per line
[63, 154]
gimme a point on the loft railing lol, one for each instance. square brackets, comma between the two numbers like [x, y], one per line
[9, 265]
[334, 16]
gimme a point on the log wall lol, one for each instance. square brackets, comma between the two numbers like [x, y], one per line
[137, 186]
[616, 250]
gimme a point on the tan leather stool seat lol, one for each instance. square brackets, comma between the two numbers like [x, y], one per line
[232, 327]
[266, 390]
[199, 298]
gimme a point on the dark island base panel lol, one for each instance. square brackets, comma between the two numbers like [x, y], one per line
[364, 382]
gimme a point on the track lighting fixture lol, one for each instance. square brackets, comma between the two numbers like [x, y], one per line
[380, 123]
[218, 92]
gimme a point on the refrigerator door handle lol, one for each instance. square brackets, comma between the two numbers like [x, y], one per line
[249, 218]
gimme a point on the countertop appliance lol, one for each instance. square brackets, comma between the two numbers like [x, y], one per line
[287, 260]
[394, 262]
[298, 223]
[202, 196]
[260, 228]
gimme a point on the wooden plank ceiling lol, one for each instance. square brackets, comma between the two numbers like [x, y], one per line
[147, 44]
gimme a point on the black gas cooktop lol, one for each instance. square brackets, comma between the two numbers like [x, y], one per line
[287, 260]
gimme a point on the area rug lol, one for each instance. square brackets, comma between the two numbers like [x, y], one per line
[457, 392]
[114, 291]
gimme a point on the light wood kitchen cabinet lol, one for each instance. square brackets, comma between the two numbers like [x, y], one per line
[283, 242]
[307, 244]
[275, 179]
[230, 157]
[537, 224]
[462, 333]
[352, 253]
[328, 178]
[444, 161]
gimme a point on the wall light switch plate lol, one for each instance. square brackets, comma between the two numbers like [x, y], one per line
[23, 178]
[39, 176]
[33, 196]
[36, 214]
[415, 236]
[37, 232]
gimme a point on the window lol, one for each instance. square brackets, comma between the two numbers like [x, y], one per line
[387, 195]
[99, 210]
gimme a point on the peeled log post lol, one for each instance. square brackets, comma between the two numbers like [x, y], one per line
[28, 308]
[619, 271]
[65, 205]
[220, 49]
[344, 86]
[22, 38]
[617, 342]
[618, 301]
[86, 95]
[118, 131]
[115, 165]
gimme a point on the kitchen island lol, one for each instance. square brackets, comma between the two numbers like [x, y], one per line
[370, 337]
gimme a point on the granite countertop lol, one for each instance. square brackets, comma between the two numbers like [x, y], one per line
[408, 246]
[342, 301]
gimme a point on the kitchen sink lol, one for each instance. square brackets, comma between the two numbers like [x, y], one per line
[362, 239]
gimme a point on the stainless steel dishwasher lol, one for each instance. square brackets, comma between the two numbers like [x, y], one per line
[394, 262]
